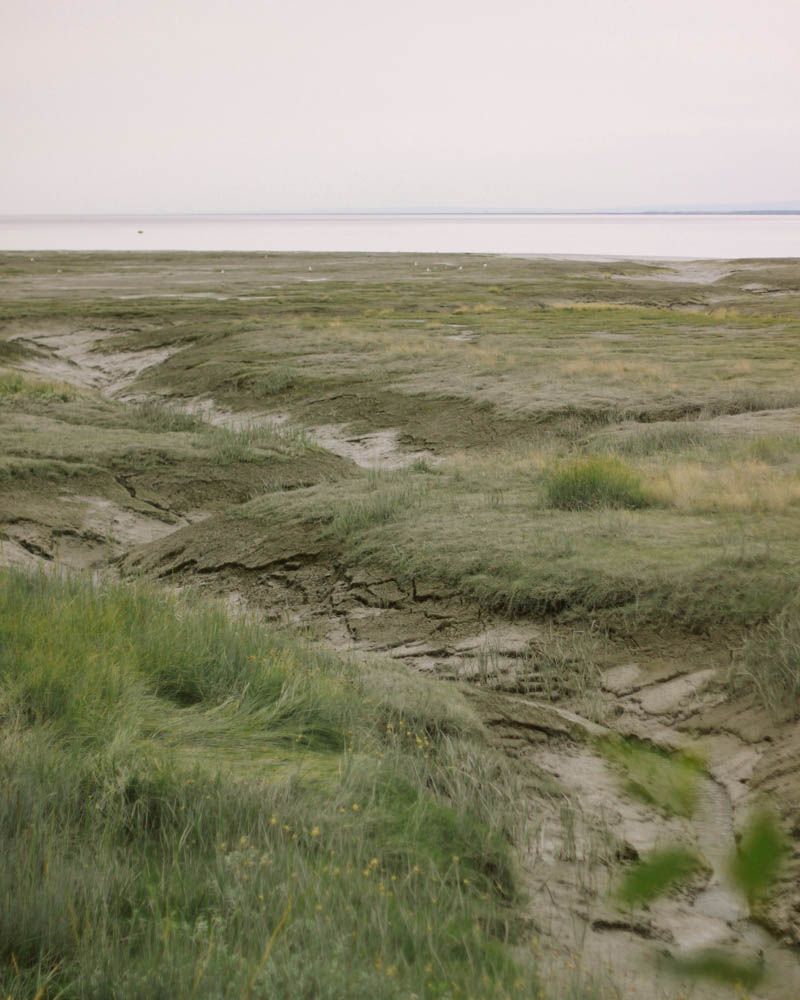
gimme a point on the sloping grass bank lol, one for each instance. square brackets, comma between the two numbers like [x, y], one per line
[195, 806]
[502, 543]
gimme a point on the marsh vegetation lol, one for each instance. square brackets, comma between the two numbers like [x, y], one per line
[566, 493]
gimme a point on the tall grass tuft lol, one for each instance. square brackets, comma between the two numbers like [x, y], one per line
[193, 806]
[594, 482]
[156, 415]
[769, 663]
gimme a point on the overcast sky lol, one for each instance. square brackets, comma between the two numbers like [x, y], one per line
[370, 105]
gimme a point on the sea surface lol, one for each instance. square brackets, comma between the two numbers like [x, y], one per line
[657, 236]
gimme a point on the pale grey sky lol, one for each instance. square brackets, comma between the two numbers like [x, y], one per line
[364, 105]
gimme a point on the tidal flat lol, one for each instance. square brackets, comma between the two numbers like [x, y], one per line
[368, 621]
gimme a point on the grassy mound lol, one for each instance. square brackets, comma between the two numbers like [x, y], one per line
[594, 482]
[194, 806]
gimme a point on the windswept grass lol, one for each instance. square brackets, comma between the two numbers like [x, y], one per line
[621, 368]
[752, 400]
[192, 806]
[42, 425]
[615, 455]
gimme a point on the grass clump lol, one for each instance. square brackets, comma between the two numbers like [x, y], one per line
[769, 663]
[252, 442]
[558, 665]
[594, 482]
[156, 415]
[196, 806]
[279, 379]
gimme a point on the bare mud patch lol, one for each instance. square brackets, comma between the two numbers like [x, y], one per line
[89, 532]
[580, 841]
[211, 412]
[462, 337]
[124, 527]
[690, 272]
[373, 450]
[17, 550]
[71, 356]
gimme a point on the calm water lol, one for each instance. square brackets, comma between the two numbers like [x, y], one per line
[593, 235]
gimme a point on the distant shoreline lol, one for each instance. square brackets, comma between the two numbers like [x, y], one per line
[645, 235]
[577, 213]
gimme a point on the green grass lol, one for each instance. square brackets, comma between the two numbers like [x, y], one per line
[42, 419]
[761, 853]
[91, 445]
[589, 483]
[194, 806]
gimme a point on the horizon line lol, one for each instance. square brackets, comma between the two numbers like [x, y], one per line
[410, 213]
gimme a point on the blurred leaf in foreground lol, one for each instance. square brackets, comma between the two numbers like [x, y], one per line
[667, 781]
[759, 855]
[657, 873]
[712, 963]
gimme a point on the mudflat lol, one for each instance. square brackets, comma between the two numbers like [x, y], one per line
[559, 499]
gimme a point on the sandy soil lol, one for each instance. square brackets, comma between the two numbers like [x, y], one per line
[376, 450]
